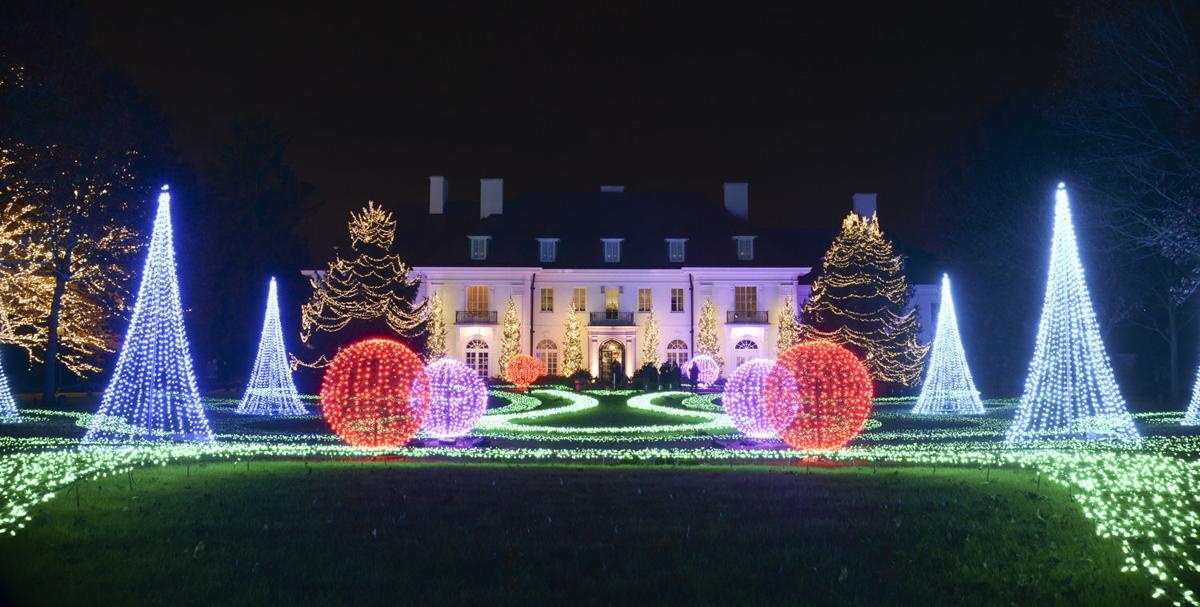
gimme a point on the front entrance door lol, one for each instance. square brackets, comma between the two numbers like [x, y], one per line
[612, 352]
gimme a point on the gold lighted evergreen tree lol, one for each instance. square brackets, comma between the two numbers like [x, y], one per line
[572, 345]
[707, 341]
[435, 329]
[789, 329]
[861, 301]
[510, 339]
[650, 340]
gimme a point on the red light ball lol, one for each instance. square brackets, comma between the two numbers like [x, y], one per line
[375, 393]
[818, 396]
[523, 370]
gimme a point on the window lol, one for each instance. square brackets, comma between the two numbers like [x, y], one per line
[612, 249]
[612, 299]
[579, 299]
[547, 300]
[676, 300]
[676, 251]
[477, 299]
[477, 356]
[479, 247]
[547, 352]
[745, 299]
[744, 350]
[644, 300]
[677, 352]
[547, 249]
[745, 247]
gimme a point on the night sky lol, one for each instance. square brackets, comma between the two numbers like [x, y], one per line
[807, 105]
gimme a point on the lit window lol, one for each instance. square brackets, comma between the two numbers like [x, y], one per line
[745, 247]
[745, 299]
[477, 356]
[643, 300]
[612, 299]
[676, 249]
[579, 299]
[547, 300]
[547, 250]
[477, 299]
[612, 249]
[479, 247]
[676, 300]
[547, 352]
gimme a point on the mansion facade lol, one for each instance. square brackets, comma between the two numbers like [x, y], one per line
[613, 256]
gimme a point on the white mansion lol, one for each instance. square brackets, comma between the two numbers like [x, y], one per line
[613, 256]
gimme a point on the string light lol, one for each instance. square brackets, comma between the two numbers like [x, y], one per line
[510, 336]
[458, 399]
[435, 329]
[743, 398]
[522, 370]
[271, 390]
[948, 389]
[861, 300]
[375, 393]
[709, 369]
[152, 394]
[650, 340]
[1192, 417]
[1070, 391]
[706, 337]
[572, 361]
[818, 396]
[789, 329]
[8, 405]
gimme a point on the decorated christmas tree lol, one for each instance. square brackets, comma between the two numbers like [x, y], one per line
[270, 390]
[789, 329]
[373, 289]
[435, 329]
[707, 341]
[152, 394]
[572, 345]
[1192, 417]
[1070, 391]
[861, 301]
[650, 340]
[948, 388]
[510, 337]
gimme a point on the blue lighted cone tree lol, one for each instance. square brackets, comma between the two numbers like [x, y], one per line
[1192, 417]
[948, 388]
[152, 394]
[271, 390]
[8, 405]
[1070, 391]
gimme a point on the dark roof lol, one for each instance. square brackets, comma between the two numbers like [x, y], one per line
[580, 220]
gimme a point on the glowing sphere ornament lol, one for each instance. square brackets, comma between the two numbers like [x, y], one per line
[818, 396]
[458, 400]
[375, 393]
[709, 369]
[743, 399]
[523, 370]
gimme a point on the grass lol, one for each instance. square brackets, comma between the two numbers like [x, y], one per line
[611, 412]
[291, 532]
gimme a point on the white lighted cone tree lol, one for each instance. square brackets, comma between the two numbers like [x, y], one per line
[152, 394]
[271, 390]
[8, 405]
[948, 387]
[1192, 417]
[1070, 391]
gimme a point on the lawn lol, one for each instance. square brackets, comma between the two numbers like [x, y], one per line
[387, 532]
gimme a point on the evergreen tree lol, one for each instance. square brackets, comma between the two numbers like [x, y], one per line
[707, 341]
[153, 393]
[375, 288]
[435, 329]
[510, 340]
[650, 340]
[572, 361]
[789, 329]
[861, 301]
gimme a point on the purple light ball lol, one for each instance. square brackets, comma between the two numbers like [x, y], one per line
[709, 369]
[743, 398]
[459, 398]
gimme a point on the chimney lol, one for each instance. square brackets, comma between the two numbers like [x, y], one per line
[737, 199]
[491, 197]
[438, 189]
[612, 189]
[864, 204]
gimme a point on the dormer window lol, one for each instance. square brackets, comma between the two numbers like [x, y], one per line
[479, 247]
[745, 247]
[612, 249]
[676, 250]
[547, 250]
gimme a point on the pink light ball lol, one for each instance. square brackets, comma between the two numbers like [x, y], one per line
[459, 398]
[743, 399]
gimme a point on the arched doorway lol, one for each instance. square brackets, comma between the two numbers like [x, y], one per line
[477, 356]
[743, 351]
[612, 352]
